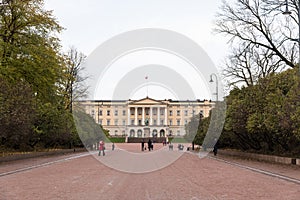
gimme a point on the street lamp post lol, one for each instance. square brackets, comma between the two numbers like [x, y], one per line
[193, 124]
[288, 12]
[211, 81]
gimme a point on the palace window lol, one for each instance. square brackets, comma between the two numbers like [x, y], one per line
[154, 111]
[108, 113]
[162, 111]
[124, 112]
[185, 113]
[171, 112]
[132, 111]
[139, 133]
[178, 112]
[132, 133]
[140, 111]
[178, 122]
[116, 112]
[116, 122]
[108, 122]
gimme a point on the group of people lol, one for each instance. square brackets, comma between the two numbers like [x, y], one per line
[150, 145]
[165, 143]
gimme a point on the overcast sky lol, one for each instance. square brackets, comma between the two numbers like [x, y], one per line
[88, 23]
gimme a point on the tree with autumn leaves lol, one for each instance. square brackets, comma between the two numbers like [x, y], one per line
[35, 77]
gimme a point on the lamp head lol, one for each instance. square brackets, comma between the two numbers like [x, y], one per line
[286, 12]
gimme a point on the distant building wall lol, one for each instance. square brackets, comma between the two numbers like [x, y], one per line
[146, 117]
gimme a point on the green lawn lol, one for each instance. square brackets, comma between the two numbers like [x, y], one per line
[117, 139]
[178, 140]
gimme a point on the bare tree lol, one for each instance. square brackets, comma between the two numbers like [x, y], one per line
[246, 65]
[260, 37]
[74, 87]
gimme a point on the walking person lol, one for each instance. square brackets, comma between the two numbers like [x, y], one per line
[170, 146]
[101, 148]
[149, 144]
[215, 150]
[143, 145]
[113, 146]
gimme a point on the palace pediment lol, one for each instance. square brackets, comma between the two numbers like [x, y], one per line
[147, 101]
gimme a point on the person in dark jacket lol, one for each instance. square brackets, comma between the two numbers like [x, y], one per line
[215, 150]
[150, 145]
[143, 145]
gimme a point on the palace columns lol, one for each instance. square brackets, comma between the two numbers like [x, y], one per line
[166, 115]
[135, 116]
[158, 116]
[128, 117]
[150, 116]
[143, 116]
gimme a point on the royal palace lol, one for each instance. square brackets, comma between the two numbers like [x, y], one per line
[146, 117]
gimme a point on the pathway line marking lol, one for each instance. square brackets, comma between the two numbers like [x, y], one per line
[44, 164]
[261, 171]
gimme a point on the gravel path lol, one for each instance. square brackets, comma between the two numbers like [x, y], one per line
[186, 178]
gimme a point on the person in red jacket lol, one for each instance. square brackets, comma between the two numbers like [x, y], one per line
[101, 148]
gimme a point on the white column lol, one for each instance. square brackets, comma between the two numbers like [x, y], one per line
[128, 119]
[143, 116]
[151, 123]
[166, 116]
[158, 115]
[135, 116]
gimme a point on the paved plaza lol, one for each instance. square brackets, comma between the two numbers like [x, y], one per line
[84, 176]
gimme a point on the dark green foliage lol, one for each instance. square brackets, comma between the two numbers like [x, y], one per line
[192, 128]
[54, 127]
[17, 113]
[196, 129]
[202, 130]
[89, 132]
[265, 117]
[32, 70]
[209, 128]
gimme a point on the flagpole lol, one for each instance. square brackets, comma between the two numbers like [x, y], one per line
[146, 77]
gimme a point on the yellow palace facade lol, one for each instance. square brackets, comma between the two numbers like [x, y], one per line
[146, 117]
